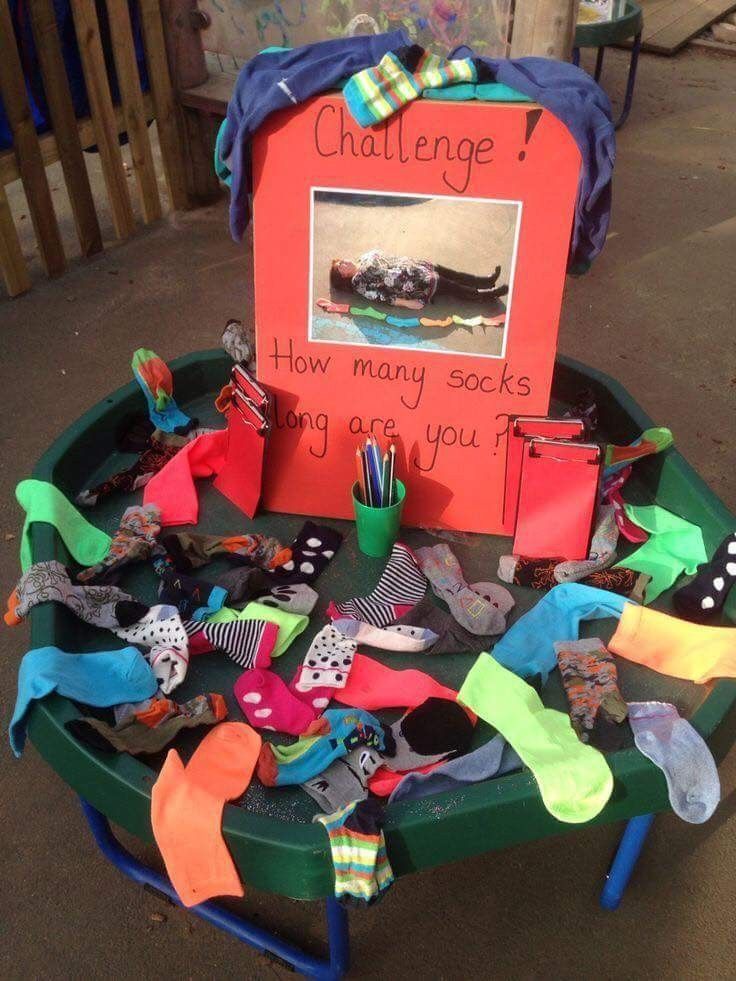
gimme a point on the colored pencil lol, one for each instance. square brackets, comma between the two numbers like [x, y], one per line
[384, 481]
[359, 468]
[374, 472]
[367, 479]
[391, 472]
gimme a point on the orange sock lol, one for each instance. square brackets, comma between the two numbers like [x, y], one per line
[674, 647]
[371, 685]
[186, 811]
[11, 617]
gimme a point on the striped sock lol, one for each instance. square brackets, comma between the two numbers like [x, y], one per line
[401, 76]
[247, 642]
[362, 869]
[400, 587]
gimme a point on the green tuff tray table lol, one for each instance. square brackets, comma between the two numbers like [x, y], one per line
[269, 831]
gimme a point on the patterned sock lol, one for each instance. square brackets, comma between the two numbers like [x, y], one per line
[362, 869]
[169, 665]
[393, 638]
[239, 342]
[470, 609]
[702, 599]
[193, 598]
[151, 460]
[154, 378]
[602, 549]
[400, 587]
[317, 699]
[132, 542]
[540, 574]
[345, 780]
[267, 703]
[160, 627]
[311, 551]
[337, 733]
[374, 94]
[611, 494]
[247, 642]
[290, 625]
[651, 441]
[299, 598]
[451, 637]
[190, 551]
[436, 730]
[589, 675]
[135, 736]
[328, 661]
[243, 583]
[101, 606]
[682, 755]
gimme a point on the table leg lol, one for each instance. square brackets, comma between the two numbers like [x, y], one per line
[267, 943]
[599, 63]
[627, 853]
[631, 81]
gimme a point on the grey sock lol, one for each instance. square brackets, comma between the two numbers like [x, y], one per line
[451, 637]
[602, 548]
[299, 598]
[681, 754]
[496, 595]
[345, 780]
[493, 759]
[243, 583]
[471, 610]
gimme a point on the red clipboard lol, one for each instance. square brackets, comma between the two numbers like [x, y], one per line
[521, 429]
[558, 492]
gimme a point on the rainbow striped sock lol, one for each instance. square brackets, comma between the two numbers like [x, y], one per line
[362, 869]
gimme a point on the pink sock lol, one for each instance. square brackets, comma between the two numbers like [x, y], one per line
[267, 703]
[316, 699]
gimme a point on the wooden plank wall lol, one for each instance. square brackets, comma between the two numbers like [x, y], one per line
[669, 24]
[31, 154]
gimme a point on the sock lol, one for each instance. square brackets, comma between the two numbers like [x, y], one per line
[527, 647]
[374, 94]
[267, 703]
[675, 647]
[674, 546]
[429, 322]
[101, 679]
[400, 587]
[402, 321]
[345, 780]
[681, 753]
[169, 665]
[43, 502]
[290, 625]
[193, 598]
[247, 642]
[470, 609]
[173, 488]
[385, 781]
[160, 627]
[132, 542]
[135, 737]
[190, 551]
[337, 733]
[329, 307]
[590, 679]
[540, 574]
[652, 440]
[702, 599]
[496, 595]
[243, 582]
[299, 598]
[611, 494]
[451, 637]
[317, 699]
[101, 606]
[602, 549]
[433, 731]
[370, 312]
[238, 340]
[186, 811]
[371, 685]
[362, 869]
[573, 777]
[154, 378]
[493, 759]
[152, 459]
[328, 661]
[311, 552]
[394, 638]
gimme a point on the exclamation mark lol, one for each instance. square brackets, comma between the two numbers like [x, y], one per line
[532, 118]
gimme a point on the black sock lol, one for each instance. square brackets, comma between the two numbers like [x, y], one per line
[702, 599]
[311, 551]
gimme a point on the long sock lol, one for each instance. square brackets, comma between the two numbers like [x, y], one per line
[393, 638]
[652, 440]
[451, 637]
[345, 780]
[433, 731]
[193, 598]
[190, 551]
[248, 643]
[101, 679]
[602, 549]
[135, 737]
[540, 574]
[290, 625]
[362, 869]
[574, 779]
[152, 459]
[371, 685]
[597, 709]
[675, 647]
[311, 552]
[400, 587]
[154, 378]
[186, 811]
[702, 599]
[682, 755]
[132, 542]
[43, 502]
[328, 661]
[173, 487]
[471, 610]
[267, 703]
[101, 606]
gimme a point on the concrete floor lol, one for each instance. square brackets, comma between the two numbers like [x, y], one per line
[657, 310]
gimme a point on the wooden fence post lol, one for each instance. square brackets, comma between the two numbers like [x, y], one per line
[545, 28]
[12, 265]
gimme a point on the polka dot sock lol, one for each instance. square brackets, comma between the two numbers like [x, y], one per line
[401, 586]
[328, 661]
[399, 637]
[160, 627]
[315, 698]
[267, 703]
[702, 599]
[311, 551]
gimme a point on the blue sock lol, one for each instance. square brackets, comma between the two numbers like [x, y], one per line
[527, 648]
[104, 678]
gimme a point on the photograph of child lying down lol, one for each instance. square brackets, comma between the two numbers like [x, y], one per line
[406, 271]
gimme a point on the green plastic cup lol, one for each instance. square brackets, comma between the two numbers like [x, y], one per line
[378, 528]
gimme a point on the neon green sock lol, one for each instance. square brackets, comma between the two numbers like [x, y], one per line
[574, 779]
[43, 502]
[290, 624]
